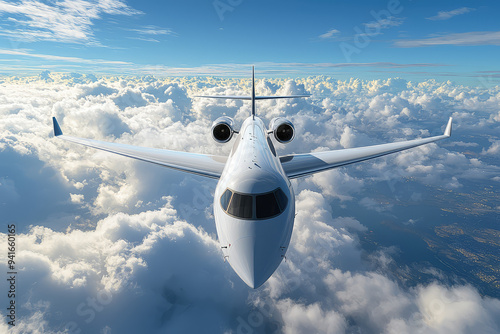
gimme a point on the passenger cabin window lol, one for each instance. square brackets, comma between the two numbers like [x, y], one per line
[266, 206]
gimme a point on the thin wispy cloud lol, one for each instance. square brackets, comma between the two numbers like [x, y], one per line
[220, 70]
[391, 21]
[66, 21]
[371, 28]
[374, 28]
[151, 33]
[332, 33]
[374, 64]
[466, 38]
[154, 30]
[61, 58]
[145, 39]
[268, 68]
[445, 15]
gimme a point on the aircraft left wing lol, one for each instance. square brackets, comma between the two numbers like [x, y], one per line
[200, 164]
[298, 165]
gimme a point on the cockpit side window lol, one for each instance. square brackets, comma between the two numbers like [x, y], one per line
[241, 206]
[225, 198]
[282, 199]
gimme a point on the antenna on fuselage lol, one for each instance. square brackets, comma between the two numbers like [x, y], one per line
[253, 92]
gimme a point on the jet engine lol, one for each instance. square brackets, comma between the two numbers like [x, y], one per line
[283, 129]
[223, 129]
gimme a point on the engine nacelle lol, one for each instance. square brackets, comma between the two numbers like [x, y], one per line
[223, 129]
[283, 129]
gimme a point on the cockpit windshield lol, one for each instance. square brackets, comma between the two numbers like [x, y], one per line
[240, 206]
[256, 206]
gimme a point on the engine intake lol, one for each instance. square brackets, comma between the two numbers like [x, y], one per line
[223, 129]
[283, 129]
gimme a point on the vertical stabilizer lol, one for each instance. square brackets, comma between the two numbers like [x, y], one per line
[253, 92]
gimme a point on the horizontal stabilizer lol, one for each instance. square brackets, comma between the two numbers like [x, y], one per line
[280, 97]
[227, 97]
[231, 97]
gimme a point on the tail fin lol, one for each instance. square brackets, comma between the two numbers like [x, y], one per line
[252, 98]
[253, 92]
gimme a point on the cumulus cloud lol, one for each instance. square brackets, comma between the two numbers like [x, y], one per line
[120, 265]
[494, 149]
[109, 240]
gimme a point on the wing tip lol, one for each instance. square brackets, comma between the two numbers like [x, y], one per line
[447, 131]
[57, 128]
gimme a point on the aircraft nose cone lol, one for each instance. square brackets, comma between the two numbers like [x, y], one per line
[253, 261]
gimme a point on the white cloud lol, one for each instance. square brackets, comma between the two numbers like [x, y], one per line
[145, 33]
[465, 38]
[391, 21]
[114, 264]
[63, 21]
[494, 149]
[445, 15]
[464, 144]
[332, 33]
[26, 53]
[76, 198]
[337, 184]
[298, 318]
[153, 30]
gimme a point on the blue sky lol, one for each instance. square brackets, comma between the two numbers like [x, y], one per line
[416, 40]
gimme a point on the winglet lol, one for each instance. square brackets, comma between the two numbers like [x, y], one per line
[57, 128]
[447, 131]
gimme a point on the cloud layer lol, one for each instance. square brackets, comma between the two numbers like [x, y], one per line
[115, 245]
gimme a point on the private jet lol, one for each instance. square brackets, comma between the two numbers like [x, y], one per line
[254, 202]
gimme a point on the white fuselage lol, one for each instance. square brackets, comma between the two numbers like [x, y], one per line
[254, 237]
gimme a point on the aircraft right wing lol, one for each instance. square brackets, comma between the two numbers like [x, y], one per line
[298, 165]
[200, 164]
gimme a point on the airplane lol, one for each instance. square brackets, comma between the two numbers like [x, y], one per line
[254, 202]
